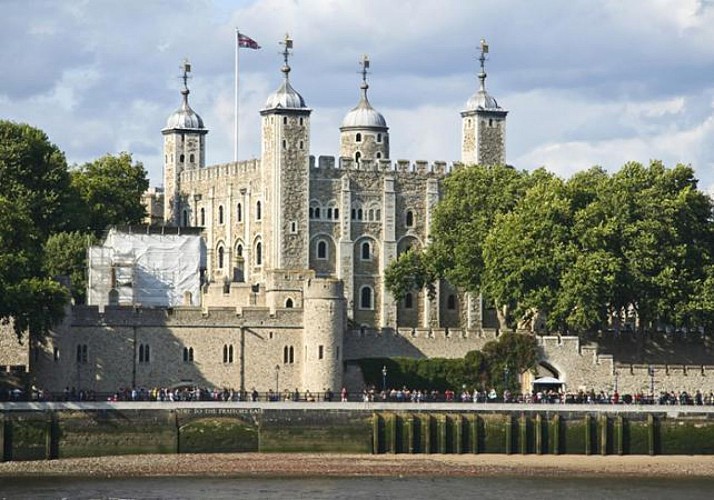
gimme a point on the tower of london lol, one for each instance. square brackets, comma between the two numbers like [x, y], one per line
[268, 274]
[292, 269]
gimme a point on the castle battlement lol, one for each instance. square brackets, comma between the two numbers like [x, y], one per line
[246, 317]
[418, 167]
[220, 170]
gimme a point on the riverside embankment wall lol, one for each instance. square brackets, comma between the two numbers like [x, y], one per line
[34, 431]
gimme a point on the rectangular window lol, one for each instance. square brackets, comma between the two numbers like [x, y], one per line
[320, 352]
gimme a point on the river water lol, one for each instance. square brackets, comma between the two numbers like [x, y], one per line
[356, 488]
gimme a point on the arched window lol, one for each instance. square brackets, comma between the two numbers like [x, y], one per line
[329, 213]
[192, 158]
[354, 214]
[358, 137]
[379, 139]
[410, 218]
[239, 250]
[225, 353]
[408, 301]
[188, 354]
[321, 249]
[336, 213]
[365, 298]
[220, 257]
[220, 214]
[451, 302]
[370, 214]
[285, 354]
[291, 355]
[203, 216]
[317, 212]
[289, 304]
[360, 214]
[379, 155]
[258, 213]
[302, 145]
[182, 158]
[184, 218]
[259, 254]
[285, 144]
[366, 251]
[490, 122]
[239, 213]
[358, 156]
[302, 121]
[285, 120]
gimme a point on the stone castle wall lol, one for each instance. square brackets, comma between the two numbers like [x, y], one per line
[582, 367]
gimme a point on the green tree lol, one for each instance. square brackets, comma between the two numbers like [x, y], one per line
[650, 231]
[34, 199]
[34, 177]
[525, 250]
[111, 188]
[473, 197]
[65, 254]
[507, 357]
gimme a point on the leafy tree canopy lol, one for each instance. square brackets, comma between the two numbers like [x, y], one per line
[581, 251]
[111, 188]
[65, 254]
[42, 204]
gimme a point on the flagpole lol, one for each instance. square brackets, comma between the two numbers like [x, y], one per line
[235, 96]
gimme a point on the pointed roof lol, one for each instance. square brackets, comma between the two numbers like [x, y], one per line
[482, 100]
[364, 115]
[286, 96]
[185, 118]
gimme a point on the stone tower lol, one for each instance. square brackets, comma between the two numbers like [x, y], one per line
[325, 320]
[364, 133]
[184, 149]
[285, 175]
[483, 139]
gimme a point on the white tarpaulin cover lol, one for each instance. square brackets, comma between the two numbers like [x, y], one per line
[151, 270]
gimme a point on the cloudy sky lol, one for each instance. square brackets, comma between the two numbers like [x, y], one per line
[586, 83]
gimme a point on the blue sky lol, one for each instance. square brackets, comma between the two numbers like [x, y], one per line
[586, 83]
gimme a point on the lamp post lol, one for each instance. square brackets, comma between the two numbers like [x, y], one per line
[651, 372]
[277, 378]
[384, 379]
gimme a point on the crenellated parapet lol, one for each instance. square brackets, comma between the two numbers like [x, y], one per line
[90, 316]
[221, 171]
[418, 167]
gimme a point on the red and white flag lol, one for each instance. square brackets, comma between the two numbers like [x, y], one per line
[247, 42]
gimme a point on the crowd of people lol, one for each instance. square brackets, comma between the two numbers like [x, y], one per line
[370, 394]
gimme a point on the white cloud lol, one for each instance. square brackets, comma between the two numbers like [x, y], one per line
[585, 83]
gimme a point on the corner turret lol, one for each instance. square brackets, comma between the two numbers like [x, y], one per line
[184, 149]
[364, 133]
[483, 124]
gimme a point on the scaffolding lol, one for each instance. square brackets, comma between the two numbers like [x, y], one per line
[146, 269]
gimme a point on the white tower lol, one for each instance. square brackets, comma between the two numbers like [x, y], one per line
[483, 139]
[184, 149]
